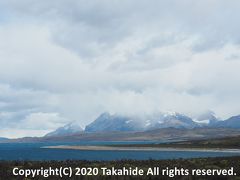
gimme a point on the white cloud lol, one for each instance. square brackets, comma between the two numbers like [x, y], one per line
[16, 133]
[63, 61]
[42, 121]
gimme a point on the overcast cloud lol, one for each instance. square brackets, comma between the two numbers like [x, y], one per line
[70, 60]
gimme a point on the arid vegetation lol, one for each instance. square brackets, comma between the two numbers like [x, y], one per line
[198, 163]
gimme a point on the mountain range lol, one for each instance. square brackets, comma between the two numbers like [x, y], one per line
[120, 123]
[107, 122]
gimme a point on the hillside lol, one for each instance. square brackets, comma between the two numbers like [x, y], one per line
[166, 134]
[226, 142]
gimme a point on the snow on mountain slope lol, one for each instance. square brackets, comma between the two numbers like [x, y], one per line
[207, 118]
[171, 119]
[107, 122]
[69, 129]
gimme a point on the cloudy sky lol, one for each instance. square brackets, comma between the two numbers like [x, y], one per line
[70, 60]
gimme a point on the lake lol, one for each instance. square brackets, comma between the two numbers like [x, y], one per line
[33, 151]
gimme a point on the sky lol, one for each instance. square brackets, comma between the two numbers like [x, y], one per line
[71, 60]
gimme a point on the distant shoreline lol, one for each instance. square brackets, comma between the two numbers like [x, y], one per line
[125, 148]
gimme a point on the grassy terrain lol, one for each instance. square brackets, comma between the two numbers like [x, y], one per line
[227, 142]
[208, 163]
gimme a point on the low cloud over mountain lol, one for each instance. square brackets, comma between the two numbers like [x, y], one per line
[110, 123]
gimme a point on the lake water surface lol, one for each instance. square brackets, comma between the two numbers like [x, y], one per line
[33, 151]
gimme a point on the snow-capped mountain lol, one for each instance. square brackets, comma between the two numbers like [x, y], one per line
[69, 129]
[171, 119]
[207, 118]
[107, 122]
